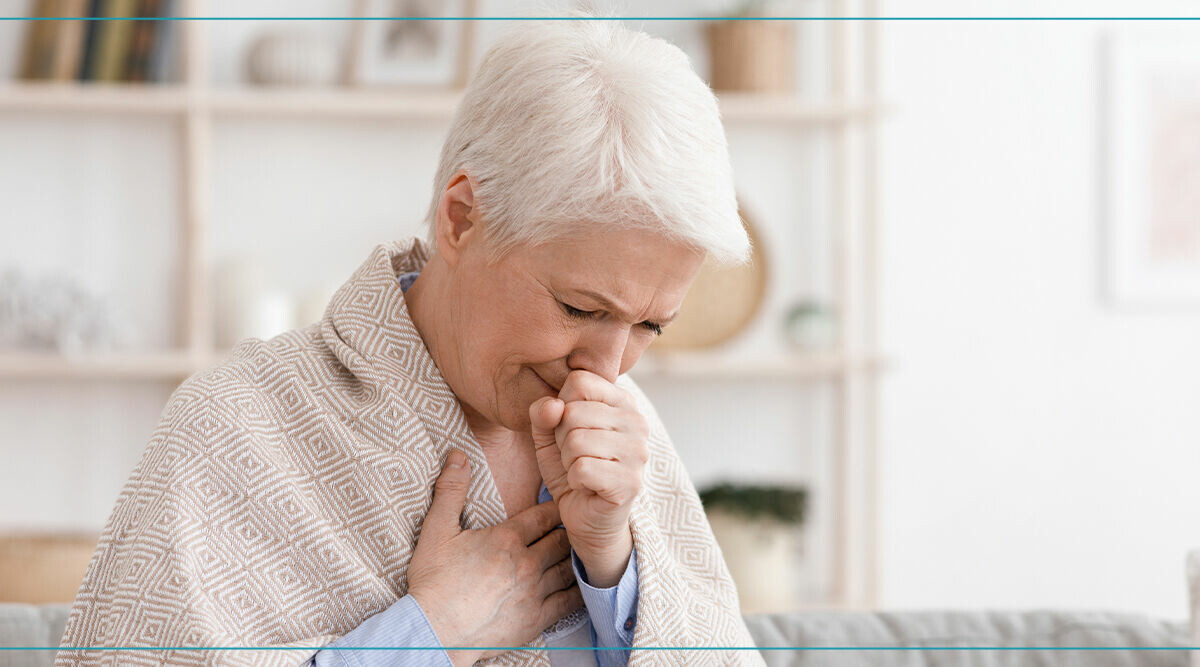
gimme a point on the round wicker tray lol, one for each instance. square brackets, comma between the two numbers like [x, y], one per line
[721, 302]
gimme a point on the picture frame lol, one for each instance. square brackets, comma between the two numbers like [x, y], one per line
[417, 53]
[1150, 191]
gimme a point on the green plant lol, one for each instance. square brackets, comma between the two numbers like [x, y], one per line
[786, 504]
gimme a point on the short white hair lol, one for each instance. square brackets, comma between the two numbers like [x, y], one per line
[579, 123]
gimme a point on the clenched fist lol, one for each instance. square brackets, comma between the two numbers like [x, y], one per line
[591, 445]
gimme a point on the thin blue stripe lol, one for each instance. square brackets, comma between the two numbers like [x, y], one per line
[603, 648]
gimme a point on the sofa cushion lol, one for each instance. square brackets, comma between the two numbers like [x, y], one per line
[1096, 629]
[29, 625]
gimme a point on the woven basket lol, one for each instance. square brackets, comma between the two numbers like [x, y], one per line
[722, 301]
[43, 568]
[754, 56]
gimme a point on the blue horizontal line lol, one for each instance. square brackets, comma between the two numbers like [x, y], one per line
[601, 648]
[600, 18]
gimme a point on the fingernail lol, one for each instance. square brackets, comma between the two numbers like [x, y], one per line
[456, 459]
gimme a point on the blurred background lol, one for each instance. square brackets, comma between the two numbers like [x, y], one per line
[963, 370]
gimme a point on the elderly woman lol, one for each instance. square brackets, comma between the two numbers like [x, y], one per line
[453, 460]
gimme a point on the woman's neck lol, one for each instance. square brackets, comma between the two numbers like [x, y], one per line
[422, 298]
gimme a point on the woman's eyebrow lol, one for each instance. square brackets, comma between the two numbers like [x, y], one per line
[608, 303]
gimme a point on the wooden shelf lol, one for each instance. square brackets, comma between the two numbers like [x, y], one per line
[50, 366]
[95, 98]
[708, 365]
[355, 103]
[198, 106]
[178, 365]
[335, 103]
[758, 107]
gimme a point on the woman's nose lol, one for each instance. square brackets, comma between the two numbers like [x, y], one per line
[601, 352]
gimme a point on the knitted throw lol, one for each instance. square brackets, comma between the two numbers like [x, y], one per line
[279, 500]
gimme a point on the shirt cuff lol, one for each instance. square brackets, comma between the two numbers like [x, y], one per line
[613, 610]
[402, 624]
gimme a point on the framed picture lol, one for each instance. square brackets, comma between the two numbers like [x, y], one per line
[1152, 171]
[425, 52]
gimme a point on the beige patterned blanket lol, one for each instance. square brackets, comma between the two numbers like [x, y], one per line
[280, 498]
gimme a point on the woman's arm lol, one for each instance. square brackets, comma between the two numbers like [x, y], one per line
[403, 625]
[613, 612]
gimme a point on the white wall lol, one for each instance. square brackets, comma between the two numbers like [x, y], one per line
[97, 196]
[1040, 447]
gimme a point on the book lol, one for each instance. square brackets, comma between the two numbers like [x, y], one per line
[114, 40]
[163, 52]
[141, 41]
[37, 59]
[87, 61]
[68, 47]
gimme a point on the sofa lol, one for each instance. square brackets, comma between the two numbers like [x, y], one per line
[42, 625]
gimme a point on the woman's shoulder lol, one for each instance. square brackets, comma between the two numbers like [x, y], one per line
[255, 374]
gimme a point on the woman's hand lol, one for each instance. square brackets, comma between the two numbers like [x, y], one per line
[591, 445]
[497, 586]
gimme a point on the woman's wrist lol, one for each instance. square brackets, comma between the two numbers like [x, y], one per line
[446, 630]
[604, 563]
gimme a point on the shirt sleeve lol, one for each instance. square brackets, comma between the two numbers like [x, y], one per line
[612, 610]
[402, 624]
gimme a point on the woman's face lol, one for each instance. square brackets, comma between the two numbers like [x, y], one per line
[593, 302]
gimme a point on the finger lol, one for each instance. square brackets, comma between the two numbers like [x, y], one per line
[553, 547]
[558, 577]
[610, 480]
[590, 414]
[582, 385]
[449, 496]
[534, 522]
[606, 445]
[544, 415]
[559, 604]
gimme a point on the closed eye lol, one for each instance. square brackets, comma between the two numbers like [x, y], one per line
[581, 314]
[576, 312]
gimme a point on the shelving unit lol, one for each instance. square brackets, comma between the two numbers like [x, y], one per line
[354, 104]
[850, 115]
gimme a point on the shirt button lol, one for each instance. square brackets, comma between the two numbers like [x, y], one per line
[629, 623]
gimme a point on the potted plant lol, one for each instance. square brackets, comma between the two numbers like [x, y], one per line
[751, 56]
[756, 527]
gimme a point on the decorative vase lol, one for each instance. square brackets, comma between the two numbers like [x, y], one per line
[293, 58]
[247, 307]
[810, 325]
[762, 558]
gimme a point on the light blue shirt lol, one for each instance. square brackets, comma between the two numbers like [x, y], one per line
[612, 611]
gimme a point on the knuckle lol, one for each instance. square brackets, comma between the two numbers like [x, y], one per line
[570, 410]
[527, 569]
[507, 538]
[574, 440]
[582, 466]
[448, 483]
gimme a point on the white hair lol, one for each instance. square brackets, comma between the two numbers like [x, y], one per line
[578, 123]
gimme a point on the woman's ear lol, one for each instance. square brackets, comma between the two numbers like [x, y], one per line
[458, 223]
